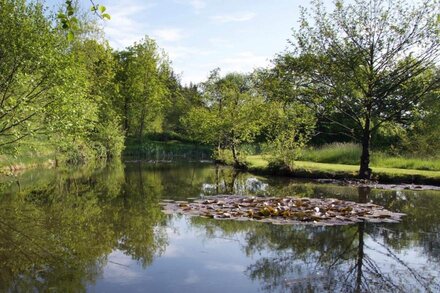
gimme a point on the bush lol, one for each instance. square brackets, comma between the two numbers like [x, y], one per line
[78, 152]
[111, 137]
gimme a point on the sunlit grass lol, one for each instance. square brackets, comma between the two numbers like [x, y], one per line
[349, 154]
[335, 153]
[28, 153]
[260, 162]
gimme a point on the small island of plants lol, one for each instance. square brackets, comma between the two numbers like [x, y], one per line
[283, 210]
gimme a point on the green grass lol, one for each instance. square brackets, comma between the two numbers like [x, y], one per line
[260, 163]
[349, 154]
[28, 154]
[336, 153]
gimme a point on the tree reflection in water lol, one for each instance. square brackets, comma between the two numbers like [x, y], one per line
[58, 232]
[302, 258]
[58, 229]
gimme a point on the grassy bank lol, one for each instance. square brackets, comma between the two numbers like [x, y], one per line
[28, 154]
[349, 154]
[32, 153]
[305, 169]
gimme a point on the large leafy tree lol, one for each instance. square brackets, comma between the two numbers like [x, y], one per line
[41, 88]
[98, 65]
[232, 114]
[361, 60]
[289, 124]
[144, 72]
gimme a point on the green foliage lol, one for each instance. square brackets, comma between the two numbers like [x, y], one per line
[104, 126]
[290, 129]
[164, 151]
[423, 138]
[70, 23]
[367, 61]
[83, 99]
[233, 113]
[111, 136]
[54, 89]
[61, 226]
[81, 152]
[30, 152]
[33, 71]
[180, 100]
[144, 70]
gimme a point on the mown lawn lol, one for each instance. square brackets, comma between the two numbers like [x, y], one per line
[258, 162]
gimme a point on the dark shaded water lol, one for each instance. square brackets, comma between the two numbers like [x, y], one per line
[102, 230]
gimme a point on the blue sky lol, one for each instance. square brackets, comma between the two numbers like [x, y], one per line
[200, 35]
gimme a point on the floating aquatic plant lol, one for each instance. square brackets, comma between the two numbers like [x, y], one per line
[283, 210]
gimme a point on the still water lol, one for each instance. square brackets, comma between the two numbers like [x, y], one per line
[102, 230]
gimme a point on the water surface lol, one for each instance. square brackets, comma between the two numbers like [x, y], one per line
[102, 230]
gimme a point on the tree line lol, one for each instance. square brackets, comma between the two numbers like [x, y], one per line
[364, 72]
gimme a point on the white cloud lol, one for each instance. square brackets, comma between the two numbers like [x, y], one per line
[179, 52]
[191, 278]
[243, 62]
[195, 76]
[225, 267]
[186, 61]
[197, 5]
[235, 17]
[173, 250]
[124, 29]
[119, 268]
[169, 34]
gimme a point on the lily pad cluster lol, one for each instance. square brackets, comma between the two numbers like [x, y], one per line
[283, 210]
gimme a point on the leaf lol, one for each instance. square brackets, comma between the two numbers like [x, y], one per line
[101, 8]
[106, 16]
[70, 11]
[70, 36]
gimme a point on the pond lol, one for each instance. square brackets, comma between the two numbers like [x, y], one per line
[103, 230]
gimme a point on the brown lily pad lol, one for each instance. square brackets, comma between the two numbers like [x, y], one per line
[283, 210]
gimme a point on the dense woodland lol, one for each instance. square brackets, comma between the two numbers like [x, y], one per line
[365, 73]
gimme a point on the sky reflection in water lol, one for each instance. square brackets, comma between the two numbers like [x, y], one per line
[103, 231]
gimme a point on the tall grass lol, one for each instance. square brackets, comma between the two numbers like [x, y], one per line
[382, 160]
[350, 153]
[335, 153]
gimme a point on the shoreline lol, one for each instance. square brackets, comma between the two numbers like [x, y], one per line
[347, 174]
[382, 180]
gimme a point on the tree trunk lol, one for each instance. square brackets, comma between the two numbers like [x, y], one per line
[142, 127]
[360, 258]
[141, 132]
[234, 156]
[364, 170]
[126, 115]
[217, 180]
